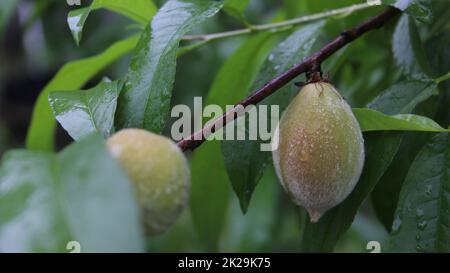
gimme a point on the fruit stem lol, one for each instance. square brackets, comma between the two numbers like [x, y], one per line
[314, 74]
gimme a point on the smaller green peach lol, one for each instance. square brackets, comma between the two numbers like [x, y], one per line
[159, 172]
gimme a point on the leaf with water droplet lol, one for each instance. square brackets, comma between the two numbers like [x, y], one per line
[140, 11]
[419, 9]
[144, 102]
[430, 215]
[41, 132]
[83, 112]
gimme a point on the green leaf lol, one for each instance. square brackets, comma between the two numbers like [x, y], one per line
[437, 48]
[236, 8]
[6, 9]
[71, 76]
[423, 214]
[438, 53]
[418, 48]
[244, 160]
[403, 97]
[419, 9]
[440, 21]
[230, 85]
[84, 112]
[140, 11]
[209, 193]
[380, 148]
[76, 20]
[386, 193]
[31, 219]
[372, 120]
[145, 100]
[81, 195]
[256, 230]
[409, 53]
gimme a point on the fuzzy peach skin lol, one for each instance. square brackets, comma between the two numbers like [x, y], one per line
[320, 152]
[159, 172]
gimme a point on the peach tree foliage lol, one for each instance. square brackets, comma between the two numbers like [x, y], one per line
[394, 77]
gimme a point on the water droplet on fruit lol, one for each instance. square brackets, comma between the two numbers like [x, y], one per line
[304, 156]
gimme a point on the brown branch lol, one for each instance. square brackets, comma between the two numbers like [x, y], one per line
[309, 64]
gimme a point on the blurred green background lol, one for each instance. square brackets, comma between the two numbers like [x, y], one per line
[36, 42]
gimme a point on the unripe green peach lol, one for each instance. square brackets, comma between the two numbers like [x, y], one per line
[320, 152]
[159, 172]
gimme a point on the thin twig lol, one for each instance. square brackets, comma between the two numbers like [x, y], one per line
[275, 27]
[311, 63]
[443, 78]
